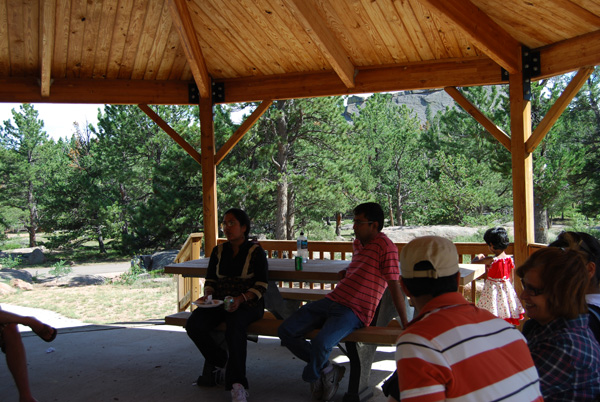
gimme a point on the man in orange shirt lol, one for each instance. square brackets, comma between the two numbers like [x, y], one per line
[452, 349]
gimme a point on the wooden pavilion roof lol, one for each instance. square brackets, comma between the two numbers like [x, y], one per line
[150, 51]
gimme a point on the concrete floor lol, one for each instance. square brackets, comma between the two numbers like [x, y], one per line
[151, 361]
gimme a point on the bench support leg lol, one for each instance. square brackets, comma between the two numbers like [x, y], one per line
[361, 357]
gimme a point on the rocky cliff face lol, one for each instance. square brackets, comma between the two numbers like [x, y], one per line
[418, 101]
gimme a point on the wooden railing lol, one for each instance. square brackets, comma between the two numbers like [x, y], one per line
[189, 289]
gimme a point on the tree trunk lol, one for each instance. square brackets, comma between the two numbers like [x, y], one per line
[100, 241]
[399, 207]
[338, 224]
[540, 222]
[291, 217]
[281, 223]
[391, 211]
[33, 216]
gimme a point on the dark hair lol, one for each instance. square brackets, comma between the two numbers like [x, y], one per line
[584, 242]
[430, 286]
[372, 211]
[497, 237]
[242, 217]
[564, 279]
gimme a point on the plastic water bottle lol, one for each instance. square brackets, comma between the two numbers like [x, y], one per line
[302, 247]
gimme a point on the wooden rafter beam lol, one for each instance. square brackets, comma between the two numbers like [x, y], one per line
[242, 130]
[315, 27]
[557, 108]
[482, 119]
[183, 23]
[483, 31]
[570, 55]
[438, 74]
[116, 92]
[172, 133]
[47, 29]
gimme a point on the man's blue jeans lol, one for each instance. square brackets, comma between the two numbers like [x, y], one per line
[334, 320]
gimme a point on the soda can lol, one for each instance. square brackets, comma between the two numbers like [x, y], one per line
[227, 302]
[298, 263]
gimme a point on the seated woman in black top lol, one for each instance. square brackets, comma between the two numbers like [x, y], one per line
[237, 268]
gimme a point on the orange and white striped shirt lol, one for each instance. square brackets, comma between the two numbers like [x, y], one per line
[456, 351]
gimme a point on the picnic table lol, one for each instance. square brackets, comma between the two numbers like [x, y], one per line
[361, 347]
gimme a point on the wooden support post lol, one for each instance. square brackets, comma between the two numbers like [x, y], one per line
[522, 168]
[209, 174]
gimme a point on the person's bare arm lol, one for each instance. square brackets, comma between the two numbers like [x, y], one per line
[398, 299]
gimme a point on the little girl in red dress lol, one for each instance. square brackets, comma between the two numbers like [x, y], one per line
[498, 295]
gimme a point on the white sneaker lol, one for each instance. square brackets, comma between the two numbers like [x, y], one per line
[331, 381]
[238, 393]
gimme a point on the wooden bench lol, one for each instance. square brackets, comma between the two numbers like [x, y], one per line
[360, 369]
[268, 325]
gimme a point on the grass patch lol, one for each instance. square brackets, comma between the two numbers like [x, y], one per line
[103, 304]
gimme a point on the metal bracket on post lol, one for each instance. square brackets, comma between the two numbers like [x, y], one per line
[218, 92]
[193, 94]
[531, 69]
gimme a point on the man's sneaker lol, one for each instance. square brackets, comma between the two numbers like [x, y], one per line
[238, 393]
[316, 389]
[331, 381]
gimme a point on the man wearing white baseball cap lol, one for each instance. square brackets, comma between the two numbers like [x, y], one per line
[452, 349]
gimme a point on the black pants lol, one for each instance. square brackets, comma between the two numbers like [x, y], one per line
[204, 320]
[391, 387]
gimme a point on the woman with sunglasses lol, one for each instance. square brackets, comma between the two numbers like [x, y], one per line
[237, 268]
[590, 246]
[564, 350]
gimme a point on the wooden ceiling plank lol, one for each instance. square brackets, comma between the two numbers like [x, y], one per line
[557, 108]
[354, 31]
[61, 39]
[151, 49]
[570, 55]
[238, 27]
[106, 31]
[316, 28]
[482, 119]
[380, 14]
[167, 63]
[135, 27]
[187, 34]
[93, 18]
[421, 50]
[226, 60]
[399, 30]
[76, 33]
[482, 30]
[31, 21]
[47, 22]
[171, 132]
[278, 25]
[147, 39]
[242, 130]
[4, 49]
[116, 53]
[430, 30]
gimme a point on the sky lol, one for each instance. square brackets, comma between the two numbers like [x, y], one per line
[58, 117]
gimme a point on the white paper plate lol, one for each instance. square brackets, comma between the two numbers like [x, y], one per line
[215, 303]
